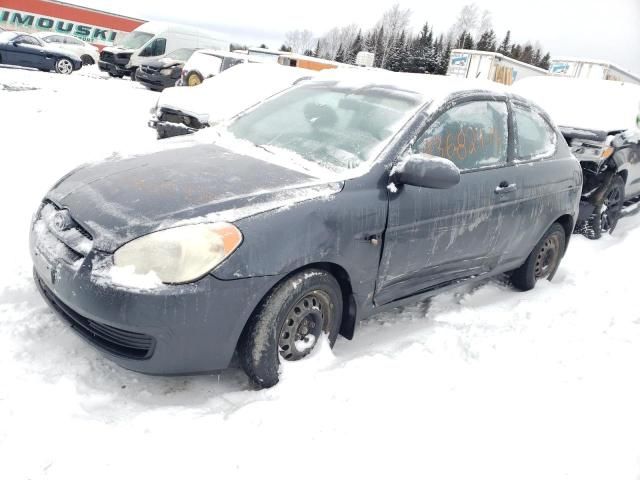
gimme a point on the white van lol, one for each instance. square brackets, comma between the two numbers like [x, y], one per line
[152, 40]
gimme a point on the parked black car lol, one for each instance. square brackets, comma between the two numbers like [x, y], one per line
[364, 191]
[600, 119]
[25, 50]
[163, 72]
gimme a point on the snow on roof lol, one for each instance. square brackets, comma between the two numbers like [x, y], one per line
[431, 87]
[605, 63]
[500, 56]
[603, 105]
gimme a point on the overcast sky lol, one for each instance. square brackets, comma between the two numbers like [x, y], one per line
[598, 29]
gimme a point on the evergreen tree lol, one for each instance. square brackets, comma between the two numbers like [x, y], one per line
[283, 48]
[516, 51]
[443, 63]
[505, 46]
[397, 57]
[468, 42]
[340, 55]
[487, 42]
[308, 53]
[545, 62]
[527, 54]
[379, 47]
[355, 48]
[262, 45]
[316, 52]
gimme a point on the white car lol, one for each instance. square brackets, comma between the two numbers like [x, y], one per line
[182, 110]
[88, 53]
[207, 63]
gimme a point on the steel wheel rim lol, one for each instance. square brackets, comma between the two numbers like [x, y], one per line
[547, 258]
[304, 325]
[64, 66]
[610, 209]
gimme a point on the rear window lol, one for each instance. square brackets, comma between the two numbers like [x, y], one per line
[534, 137]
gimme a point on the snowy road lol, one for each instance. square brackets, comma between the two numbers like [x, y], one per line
[488, 383]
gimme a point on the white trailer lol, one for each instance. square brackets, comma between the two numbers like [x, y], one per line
[490, 66]
[593, 69]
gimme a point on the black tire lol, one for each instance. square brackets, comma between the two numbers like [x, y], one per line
[115, 75]
[607, 213]
[87, 60]
[543, 261]
[288, 322]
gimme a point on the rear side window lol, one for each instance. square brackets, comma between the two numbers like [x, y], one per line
[472, 135]
[73, 41]
[229, 62]
[155, 48]
[534, 136]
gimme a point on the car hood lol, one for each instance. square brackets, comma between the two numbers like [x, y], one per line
[117, 201]
[164, 62]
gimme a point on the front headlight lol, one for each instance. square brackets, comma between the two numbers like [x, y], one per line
[180, 254]
[166, 71]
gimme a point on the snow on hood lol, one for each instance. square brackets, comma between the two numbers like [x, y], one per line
[602, 105]
[231, 91]
[118, 201]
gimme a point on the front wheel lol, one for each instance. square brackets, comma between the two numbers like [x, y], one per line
[543, 261]
[289, 323]
[605, 217]
[64, 66]
[87, 60]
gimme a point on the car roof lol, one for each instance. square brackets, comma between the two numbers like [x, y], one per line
[430, 87]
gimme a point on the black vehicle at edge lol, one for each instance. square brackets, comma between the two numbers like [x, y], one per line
[160, 73]
[283, 254]
[24, 50]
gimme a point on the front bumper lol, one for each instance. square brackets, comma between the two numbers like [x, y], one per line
[171, 330]
[113, 68]
[155, 81]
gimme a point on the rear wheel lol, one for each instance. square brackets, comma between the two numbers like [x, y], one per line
[87, 60]
[543, 261]
[193, 79]
[605, 217]
[289, 323]
[64, 66]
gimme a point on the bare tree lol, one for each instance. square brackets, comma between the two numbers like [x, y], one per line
[393, 22]
[331, 41]
[467, 21]
[300, 41]
[485, 24]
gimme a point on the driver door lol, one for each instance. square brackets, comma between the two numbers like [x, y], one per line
[435, 237]
[27, 52]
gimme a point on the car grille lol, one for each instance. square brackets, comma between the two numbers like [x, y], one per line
[68, 242]
[114, 340]
[107, 57]
[149, 70]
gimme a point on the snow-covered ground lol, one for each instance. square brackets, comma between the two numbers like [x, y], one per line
[486, 383]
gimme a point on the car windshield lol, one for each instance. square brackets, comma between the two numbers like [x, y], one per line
[182, 54]
[135, 40]
[336, 127]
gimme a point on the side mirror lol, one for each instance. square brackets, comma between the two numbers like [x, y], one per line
[424, 170]
[16, 43]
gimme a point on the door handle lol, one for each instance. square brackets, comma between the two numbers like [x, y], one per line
[505, 187]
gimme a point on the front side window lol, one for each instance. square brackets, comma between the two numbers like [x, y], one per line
[335, 126]
[229, 62]
[534, 136]
[28, 40]
[155, 48]
[73, 41]
[472, 135]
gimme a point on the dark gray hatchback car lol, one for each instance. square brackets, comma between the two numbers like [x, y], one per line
[337, 199]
